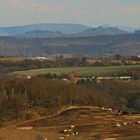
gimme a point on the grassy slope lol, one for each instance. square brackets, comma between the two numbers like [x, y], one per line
[77, 70]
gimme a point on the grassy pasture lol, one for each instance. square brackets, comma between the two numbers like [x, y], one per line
[78, 70]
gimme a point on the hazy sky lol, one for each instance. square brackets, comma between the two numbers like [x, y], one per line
[88, 12]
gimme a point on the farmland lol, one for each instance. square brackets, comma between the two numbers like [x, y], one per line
[78, 70]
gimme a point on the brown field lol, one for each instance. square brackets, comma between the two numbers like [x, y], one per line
[12, 59]
[91, 123]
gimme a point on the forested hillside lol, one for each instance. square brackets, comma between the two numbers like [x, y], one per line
[86, 46]
[20, 94]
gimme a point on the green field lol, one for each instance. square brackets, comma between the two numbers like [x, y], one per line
[77, 70]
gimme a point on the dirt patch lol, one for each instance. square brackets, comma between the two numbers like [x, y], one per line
[88, 124]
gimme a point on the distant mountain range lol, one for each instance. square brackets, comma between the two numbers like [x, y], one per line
[74, 39]
[57, 30]
[88, 32]
[53, 27]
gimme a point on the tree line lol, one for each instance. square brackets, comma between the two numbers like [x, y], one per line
[61, 61]
[17, 95]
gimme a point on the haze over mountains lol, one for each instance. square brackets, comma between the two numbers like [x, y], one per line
[74, 39]
[55, 29]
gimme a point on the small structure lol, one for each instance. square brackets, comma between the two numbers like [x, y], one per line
[109, 110]
[76, 133]
[69, 130]
[103, 108]
[125, 123]
[118, 125]
[72, 126]
[41, 58]
[125, 78]
[29, 77]
[61, 138]
[73, 134]
[68, 135]
[65, 130]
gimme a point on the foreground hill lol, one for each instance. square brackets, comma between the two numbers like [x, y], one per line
[77, 123]
[87, 46]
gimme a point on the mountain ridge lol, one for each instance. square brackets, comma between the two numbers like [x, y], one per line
[65, 28]
[43, 33]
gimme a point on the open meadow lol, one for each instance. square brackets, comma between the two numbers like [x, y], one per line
[78, 70]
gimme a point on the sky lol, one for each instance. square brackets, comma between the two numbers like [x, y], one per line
[88, 12]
